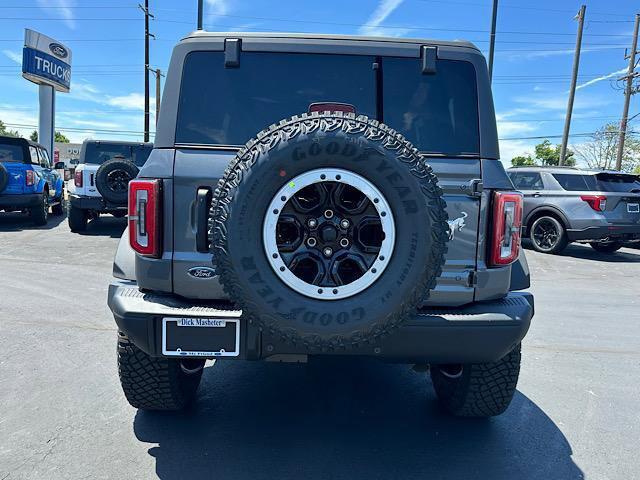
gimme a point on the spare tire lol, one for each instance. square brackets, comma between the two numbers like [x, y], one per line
[328, 230]
[4, 178]
[112, 179]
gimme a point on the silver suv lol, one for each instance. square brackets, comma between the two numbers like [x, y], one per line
[564, 204]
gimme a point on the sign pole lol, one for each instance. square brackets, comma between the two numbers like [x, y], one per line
[46, 123]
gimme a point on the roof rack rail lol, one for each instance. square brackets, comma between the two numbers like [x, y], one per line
[568, 167]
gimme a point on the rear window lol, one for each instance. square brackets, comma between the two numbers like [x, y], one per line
[98, 153]
[11, 153]
[438, 113]
[575, 183]
[611, 182]
[228, 106]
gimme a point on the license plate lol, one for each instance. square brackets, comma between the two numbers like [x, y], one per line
[633, 207]
[200, 337]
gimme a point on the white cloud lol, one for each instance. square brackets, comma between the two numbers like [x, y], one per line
[529, 55]
[130, 101]
[603, 77]
[514, 148]
[13, 56]
[59, 9]
[373, 26]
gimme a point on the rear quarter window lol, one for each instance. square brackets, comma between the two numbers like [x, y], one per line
[575, 183]
[11, 153]
[437, 112]
[228, 106]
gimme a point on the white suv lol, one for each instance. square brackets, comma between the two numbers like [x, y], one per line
[101, 179]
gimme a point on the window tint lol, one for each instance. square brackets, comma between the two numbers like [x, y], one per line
[527, 180]
[575, 183]
[611, 182]
[228, 106]
[35, 158]
[98, 153]
[438, 112]
[11, 153]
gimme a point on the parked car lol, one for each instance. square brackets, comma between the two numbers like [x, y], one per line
[101, 178]
[563, 205]
[278, 218]
[27, 180]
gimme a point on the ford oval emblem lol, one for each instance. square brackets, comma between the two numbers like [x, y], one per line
[58, 50]
[202, 272]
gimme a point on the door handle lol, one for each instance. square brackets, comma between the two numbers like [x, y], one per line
[536, 195]
[203, 203]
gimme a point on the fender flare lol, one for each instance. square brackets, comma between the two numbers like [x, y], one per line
[546, 208]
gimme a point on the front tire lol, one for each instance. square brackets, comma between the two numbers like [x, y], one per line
[606, 247]
[477, 389]
[151, 383]
[548, 235]
[40, 213]
[78, 219]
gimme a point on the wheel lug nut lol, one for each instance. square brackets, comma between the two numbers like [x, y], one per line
[328, 213]
[344, 223]
[344, 242]
[312, 223]
[328, 251]
[312, 242]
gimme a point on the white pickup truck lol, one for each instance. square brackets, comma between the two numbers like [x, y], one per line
[101, 179]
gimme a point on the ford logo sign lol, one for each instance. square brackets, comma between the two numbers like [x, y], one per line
[202, 272]
[58, 50]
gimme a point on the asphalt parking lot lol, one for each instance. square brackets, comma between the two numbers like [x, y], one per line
[576, 414]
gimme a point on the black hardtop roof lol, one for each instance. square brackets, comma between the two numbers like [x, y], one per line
[298, 38]
[19, 141]
[117, 142]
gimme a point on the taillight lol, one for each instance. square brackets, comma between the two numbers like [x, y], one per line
[507, 226]
[597, 202]
[77, 178]
[144, 216]
[30, 178]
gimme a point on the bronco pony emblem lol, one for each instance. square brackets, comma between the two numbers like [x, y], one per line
[457, 224]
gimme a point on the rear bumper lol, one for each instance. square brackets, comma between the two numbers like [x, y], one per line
[94, 203]
[627, 233]
[481, 332]
[20, 200]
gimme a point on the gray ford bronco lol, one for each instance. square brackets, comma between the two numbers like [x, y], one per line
[313, 195]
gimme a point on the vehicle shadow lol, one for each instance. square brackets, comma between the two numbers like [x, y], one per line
[105, 226]
[337, 419]
[585, 252]
[17, 222]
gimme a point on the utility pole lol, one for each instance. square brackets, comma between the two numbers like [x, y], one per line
[200, 8]
[572, 90]
[492, 38]
[627, 94]
[158, 74]
[145, 9]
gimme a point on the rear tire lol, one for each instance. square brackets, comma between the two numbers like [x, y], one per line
[151, 383]
[59, 208]
[77, 219]
[548, 235]
[606, 247]
[477, 389]
[40, 213]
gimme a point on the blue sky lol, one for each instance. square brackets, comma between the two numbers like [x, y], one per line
[534, 54]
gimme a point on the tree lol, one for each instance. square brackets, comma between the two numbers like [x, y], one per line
[523, 161]
[546, 154]
[600, 152]
[59, 137]
[549, 154]
[6, 132]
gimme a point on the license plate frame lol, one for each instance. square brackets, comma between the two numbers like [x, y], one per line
[633, 207]
[216, 330]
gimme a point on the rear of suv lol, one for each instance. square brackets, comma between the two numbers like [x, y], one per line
[564, 205]
[315, 195]
[101, 178]
[28, 182]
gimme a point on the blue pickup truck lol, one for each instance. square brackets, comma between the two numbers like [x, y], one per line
[28, 182]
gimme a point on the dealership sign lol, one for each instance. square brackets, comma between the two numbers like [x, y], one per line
[46, 61]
